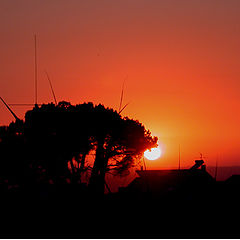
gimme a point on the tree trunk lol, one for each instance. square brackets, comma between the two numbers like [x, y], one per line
[103, 169]
[95, 182]
[102, 174]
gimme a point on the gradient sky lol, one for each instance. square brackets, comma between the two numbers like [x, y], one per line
[180, 59]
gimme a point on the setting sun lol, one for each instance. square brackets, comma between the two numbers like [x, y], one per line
[153, 154]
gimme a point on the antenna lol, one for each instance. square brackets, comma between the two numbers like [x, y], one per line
[179, 159]
[15, 116]
[35, 83]
[123, 107]
[35, 78]
[35, 58]
[121, 99]
[51, 88]
[216, 168]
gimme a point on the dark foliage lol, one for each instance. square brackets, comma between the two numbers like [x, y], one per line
[51, 145]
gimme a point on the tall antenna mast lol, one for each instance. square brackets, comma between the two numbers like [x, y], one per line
[15, 116]
[35, 54]
[35, 83]
[123, 107]
[179, 157]
[121, 99]
[51, 88]
[216, 168]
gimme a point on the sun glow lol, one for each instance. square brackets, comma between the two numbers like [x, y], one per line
[153, 153]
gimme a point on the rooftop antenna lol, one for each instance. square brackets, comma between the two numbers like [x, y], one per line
[51, 88]
[121, 99]
[216, 168]
[15, 116]
[123, 107]
[35, 79]
[179, 157]
[35, 75]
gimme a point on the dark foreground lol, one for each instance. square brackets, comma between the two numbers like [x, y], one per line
[73, 214]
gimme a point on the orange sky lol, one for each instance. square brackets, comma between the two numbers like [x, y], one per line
[181, 59]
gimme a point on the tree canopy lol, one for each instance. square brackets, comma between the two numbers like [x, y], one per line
[54, 140]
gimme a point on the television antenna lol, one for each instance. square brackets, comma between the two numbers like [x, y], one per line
[36, 81]
[216, 168]
[121, 98]
[179, 157]
[10, 110]
[35, 75]
[35, 78]
[54, 96]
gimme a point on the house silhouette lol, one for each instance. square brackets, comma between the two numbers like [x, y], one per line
[195, 182]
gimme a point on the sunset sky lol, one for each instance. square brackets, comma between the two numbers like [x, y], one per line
[180, 61]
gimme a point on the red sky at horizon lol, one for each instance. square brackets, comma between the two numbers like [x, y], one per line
[180, 60]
